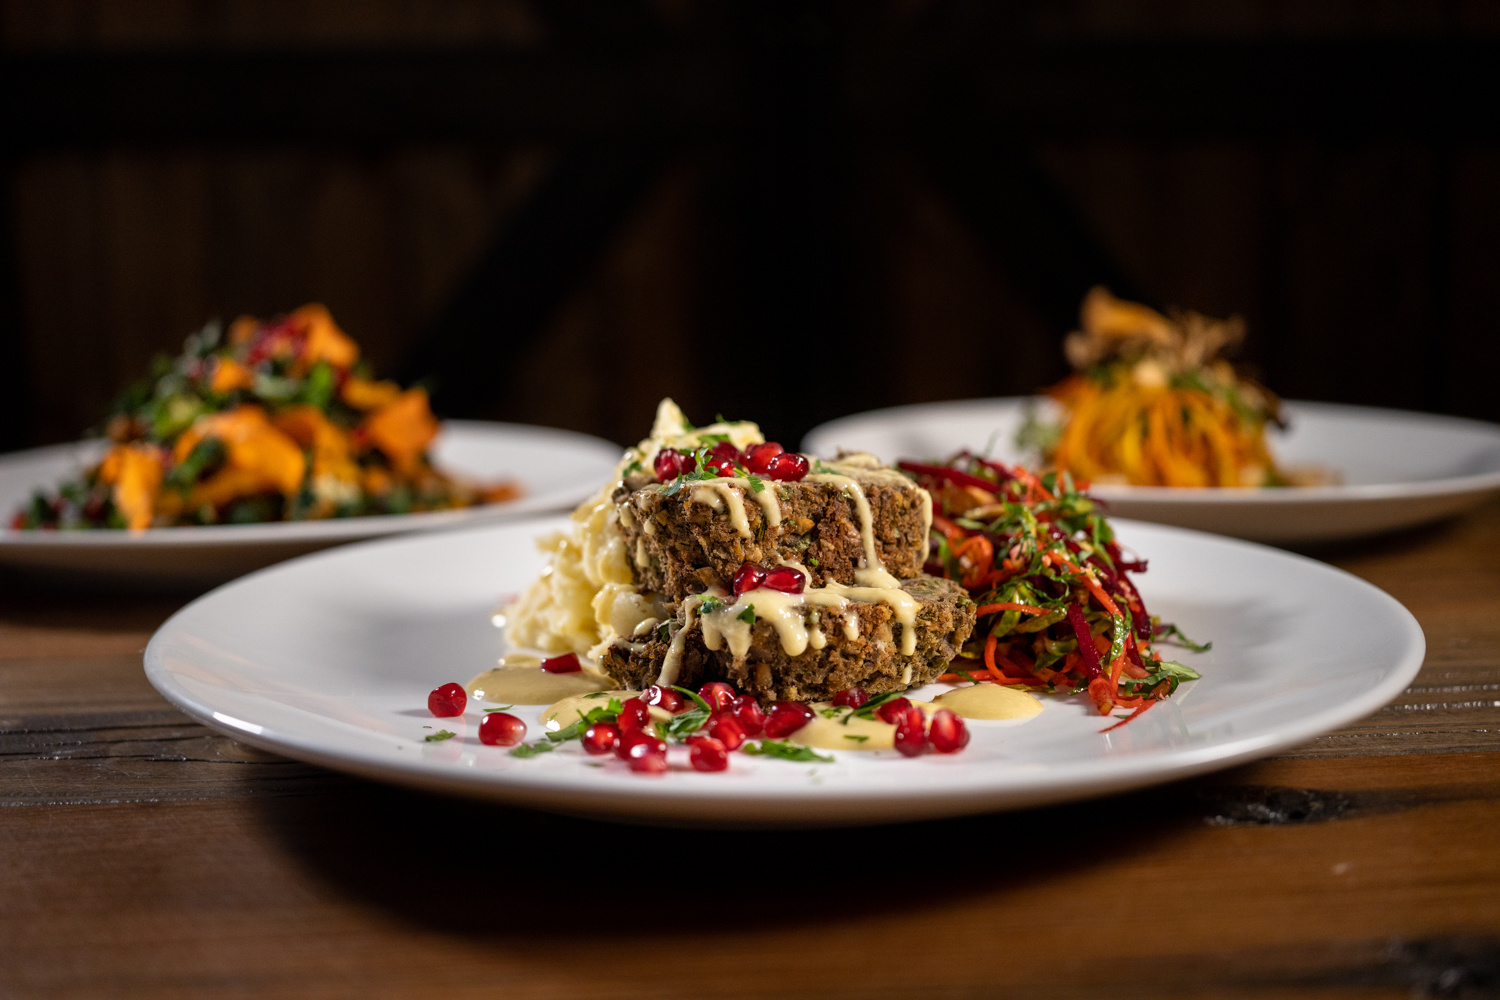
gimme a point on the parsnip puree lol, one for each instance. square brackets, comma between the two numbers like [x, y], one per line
[981, 701]
[519, 680]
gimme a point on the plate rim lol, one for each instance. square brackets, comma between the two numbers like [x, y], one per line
[332, 529]
[825, 805]
[1420, 489]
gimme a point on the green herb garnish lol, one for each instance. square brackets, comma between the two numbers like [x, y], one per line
[531, 749]
[785, 751]
[439, 736]
[748, 615]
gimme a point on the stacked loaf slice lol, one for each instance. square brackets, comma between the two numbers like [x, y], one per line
[856, 533]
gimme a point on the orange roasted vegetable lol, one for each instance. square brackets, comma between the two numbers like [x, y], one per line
[136, 471]
[403, 429]
[363, 394]
[230, 375]
[258, 457]
[325, 341]
[332, 450]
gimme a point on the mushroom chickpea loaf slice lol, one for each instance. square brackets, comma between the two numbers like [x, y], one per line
[865, 652]
[696, 538]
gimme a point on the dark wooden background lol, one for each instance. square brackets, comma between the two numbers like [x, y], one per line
[560, 211]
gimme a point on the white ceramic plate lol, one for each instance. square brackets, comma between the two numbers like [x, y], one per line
[557, 469]
[330, 658]
[1396, 469]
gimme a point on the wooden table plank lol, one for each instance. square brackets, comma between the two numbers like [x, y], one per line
[381, 892]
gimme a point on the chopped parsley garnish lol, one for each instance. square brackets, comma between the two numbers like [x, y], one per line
[757, 485]
[1173, 635]
[684, 724]
[709, 605]
[785, 751]
[503, 708]
[860, 739]
[748, 615]
[531, 749]
[439, 736]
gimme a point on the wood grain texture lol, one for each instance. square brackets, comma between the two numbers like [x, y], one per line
[143, 856]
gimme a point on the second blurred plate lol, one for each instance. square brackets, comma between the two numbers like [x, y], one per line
[1397, 469]
[556, 469]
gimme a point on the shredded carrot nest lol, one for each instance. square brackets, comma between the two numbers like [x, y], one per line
[1152, 404]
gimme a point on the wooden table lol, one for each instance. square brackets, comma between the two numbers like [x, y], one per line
[142, 855]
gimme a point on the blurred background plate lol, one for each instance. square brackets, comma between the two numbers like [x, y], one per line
[1395, 469]
[556, 469]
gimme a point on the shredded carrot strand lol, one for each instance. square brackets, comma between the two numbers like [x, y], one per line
[1131, 718]
[1011, 606]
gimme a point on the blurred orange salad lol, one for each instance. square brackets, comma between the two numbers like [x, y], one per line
[271, 420]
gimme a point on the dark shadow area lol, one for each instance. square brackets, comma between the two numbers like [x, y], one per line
[40, 600]
[387, 847]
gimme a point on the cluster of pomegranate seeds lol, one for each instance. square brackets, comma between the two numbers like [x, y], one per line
[663, 698]
[708, 753]
[851, 698]
[758, 457]
[752, 577]
[448, 700]
[501, 729]
[768, 460]
[600, 738]
[945, 732]
[786, 717]
[564, 664]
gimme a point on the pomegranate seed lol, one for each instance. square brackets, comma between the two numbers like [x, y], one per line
[663, 698]
[892, 711]
[948, 732]
[501, 729]
[851, 697]
[646, 759]
[722, 467]
[911, 732]
[785, 579]
[758, 457]
[600, 738]
[706, 753]
[671, 463]
[748, 714]
[786, 718]
[718, 695]
[629, 738]
[727, 451]
[447, 700]
[788, 467]
[748, 577]
[564, 664]
[634, 716]
[727, 731]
